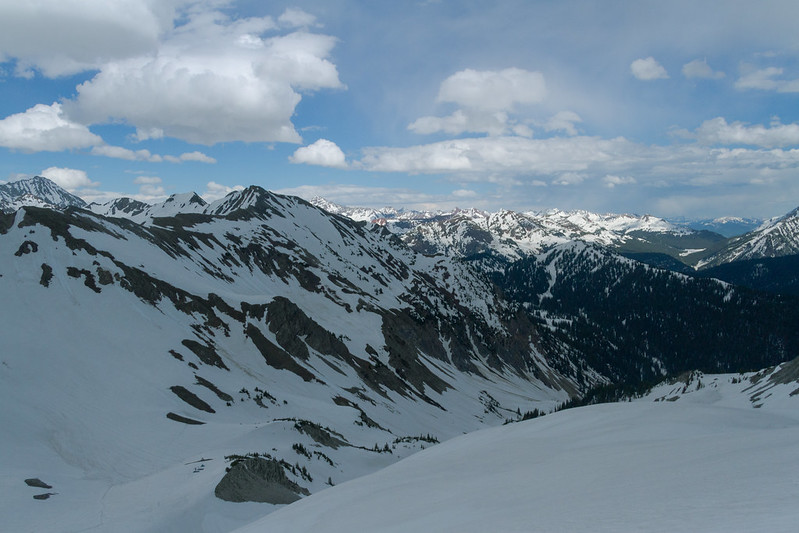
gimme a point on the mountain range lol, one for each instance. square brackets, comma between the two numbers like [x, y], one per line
[169, 363]
[691, 248]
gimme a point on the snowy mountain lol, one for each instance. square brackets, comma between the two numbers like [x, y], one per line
[36, 191]
[197, 367]
[687, 461]
[726, 226]
[775, 238]
[196, 341]
[141, 212]
[505, 236]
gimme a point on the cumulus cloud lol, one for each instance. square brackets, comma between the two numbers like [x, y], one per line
[172, 68]
[75, 35]
[583, 160]
[150, 188]
[146, 180]
[215, 191]
[717, 131]
[569, 178]
[145, 134]
[486, 98]
[197, 156]
[296, 18]
[648, 69]
[764, 80]
[490, 90]
[611, 181]
[119, 152]
[564, 121]
[497, 154]
[323, 153]
[211, 80]
[44, 128]
[464, 193]
[462, 121]
[698, 68]
[69, 178]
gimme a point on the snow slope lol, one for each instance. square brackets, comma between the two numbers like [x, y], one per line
[282, 330]
[99, 322]
[707, 460]
[775, 238]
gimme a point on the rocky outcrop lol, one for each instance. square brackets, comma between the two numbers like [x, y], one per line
[258, 479]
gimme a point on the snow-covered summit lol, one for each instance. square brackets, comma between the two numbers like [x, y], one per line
[776, 237]
[141, 212]
[605, 228]
[509, 234]
[383, 216]
[37, 191]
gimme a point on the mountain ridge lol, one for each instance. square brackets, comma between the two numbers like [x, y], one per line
[262, 333]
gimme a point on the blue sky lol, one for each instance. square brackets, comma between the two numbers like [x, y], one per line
[677, 109]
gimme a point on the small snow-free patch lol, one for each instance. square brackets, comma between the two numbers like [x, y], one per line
[38, 483]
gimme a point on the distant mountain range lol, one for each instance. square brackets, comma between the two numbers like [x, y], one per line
[726, 226]
[508, 236]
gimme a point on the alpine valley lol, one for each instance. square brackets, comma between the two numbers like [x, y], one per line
[189, 366]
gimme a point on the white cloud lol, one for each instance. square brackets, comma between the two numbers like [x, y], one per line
[151, 133]
[569, 178]
[589, 161]
[496, 154]
[717, 131]
[648, 69]
[764, 80]
[197, 156]
[150, 193]
[296, 18]
[69, 178]
[60, 37]
[147, 180]
[462, 121]
[215, 191]
[359, 195]
[564, 121]
[759, 79]
[698, 68]
[323, 153]
[464, 193]
[487, 99]
[44, 128]
[611, 181]
[211, 80]
[493, 91]
[119, 152]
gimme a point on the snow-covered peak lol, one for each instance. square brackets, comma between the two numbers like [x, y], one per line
[36, 191]
[253, 197]
[776, 237]
[141, 212]
[178, 203]
[383, 216]
[594, 223]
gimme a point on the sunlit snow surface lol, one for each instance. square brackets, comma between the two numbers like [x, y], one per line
[708, 461]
